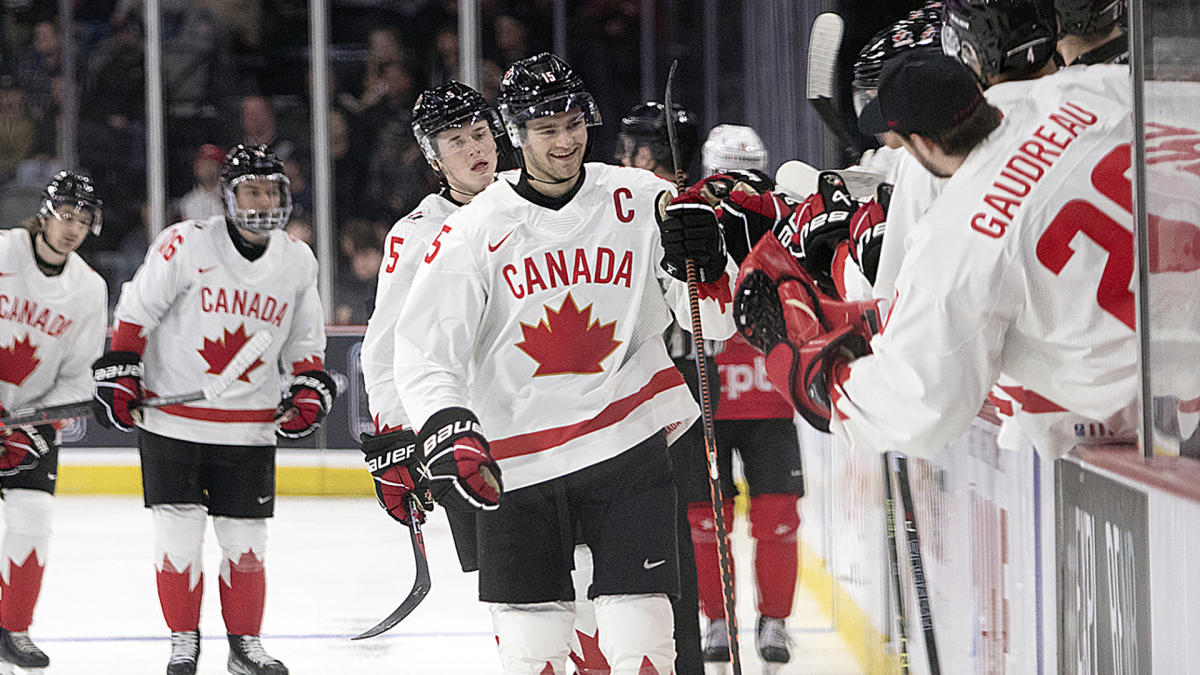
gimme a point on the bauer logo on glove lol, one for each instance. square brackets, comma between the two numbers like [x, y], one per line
[462, 473]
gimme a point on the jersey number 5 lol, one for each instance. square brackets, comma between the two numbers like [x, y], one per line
[1079, 216]
[393, 254]
[167, 248]
[436, 245]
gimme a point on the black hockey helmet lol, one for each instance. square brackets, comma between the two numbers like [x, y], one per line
[994, 37]
[646, 125]
[447, 106]
[921, 30]
[247, 162]
[1088, 17]
[76, 189]
[539, 86]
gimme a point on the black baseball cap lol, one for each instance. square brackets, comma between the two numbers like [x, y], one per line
[921, 93]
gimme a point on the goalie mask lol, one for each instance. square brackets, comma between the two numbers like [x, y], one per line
[260, 173]
[993, 37]
[541, 86]
[921, 30]
[646, 126]
[1088, 17]
[68, 188]
[452, 105]
[732, 146]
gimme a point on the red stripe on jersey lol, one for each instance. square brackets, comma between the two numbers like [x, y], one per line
[128, 337]
[1004, 407]
[1030, 401]
[537, 441]
[217, 414]
[1190, 406]
[313, 362]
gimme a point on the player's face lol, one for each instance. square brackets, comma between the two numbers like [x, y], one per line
[553, 146]
[66, 227]
[257, 194]
[467, 157]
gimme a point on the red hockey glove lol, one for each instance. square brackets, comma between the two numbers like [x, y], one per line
[462, 474]
[118, 383]
[867, 228]
[688, 225]
[398, 467]
[307, 402]
[23, 447]
[821, 223]
[809, 338]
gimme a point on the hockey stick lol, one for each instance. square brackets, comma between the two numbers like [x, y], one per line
[710, 437]
[245, 357]
[916, 565]
[421, 584]
[824, 41]
[889, 508]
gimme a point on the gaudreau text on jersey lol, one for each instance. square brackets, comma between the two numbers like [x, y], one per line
[1027, 165]
[28, 312]
[568, 268]
[247, 303]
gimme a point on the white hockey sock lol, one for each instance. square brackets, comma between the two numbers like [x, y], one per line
[532, 636]
[636, 630]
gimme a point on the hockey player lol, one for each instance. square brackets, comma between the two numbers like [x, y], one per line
[54, 308]
[1021, 190]
[205, 288]
[644, 143]
[751, 420]
[552, 338]
[1091, 31]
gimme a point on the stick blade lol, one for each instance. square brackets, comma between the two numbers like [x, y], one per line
[824, 41]
[420, 588]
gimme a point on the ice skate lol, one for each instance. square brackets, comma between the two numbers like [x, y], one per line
[774, 644]
[247, 657]
[16, 649]
[716, 648]
[185, 651]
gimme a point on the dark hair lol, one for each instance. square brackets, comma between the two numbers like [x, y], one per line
[961, 139]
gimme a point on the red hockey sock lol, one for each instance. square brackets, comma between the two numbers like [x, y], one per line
[19, 591]
[180, 600]
[243, 592]
[774, 523]
[708, 566]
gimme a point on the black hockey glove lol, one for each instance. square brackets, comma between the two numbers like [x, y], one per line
[822, 223]
[866, 231]
[462, 473]
[398, 467]
[23, 447]
[689, 229]
[118, 383]
[746, 215]
[307, 402]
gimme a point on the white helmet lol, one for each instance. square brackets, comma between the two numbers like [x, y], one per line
[733, 146]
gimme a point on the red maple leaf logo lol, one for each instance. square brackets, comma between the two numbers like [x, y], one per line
[218, 353]
[568, 341]
[18, 360]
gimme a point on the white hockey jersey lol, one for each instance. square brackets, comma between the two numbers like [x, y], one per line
[1024, 268]
[548, 325]
[51, 328]
[197, 300]
[403, 250]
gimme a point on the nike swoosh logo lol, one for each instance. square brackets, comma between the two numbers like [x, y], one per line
[651, 565]
[210, 268]
[264, 500]
[492, 247]
[52, 476]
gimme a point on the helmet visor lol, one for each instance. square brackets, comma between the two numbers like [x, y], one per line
[452, 143]
[79, 210]
[515, 119]
[266, 201]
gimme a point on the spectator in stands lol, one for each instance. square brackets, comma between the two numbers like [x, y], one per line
[204, 199]
[398, 175]
[349, 167]
[383, 49]
[512, 39]
[16, 127]
[258, 120]
[301, 228]
[362, 244]
[40, 63]
[444, 61]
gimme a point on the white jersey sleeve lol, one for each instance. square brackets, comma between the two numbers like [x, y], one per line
[404, 248]
[51, 327]
[997, 280]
